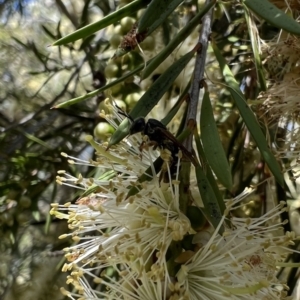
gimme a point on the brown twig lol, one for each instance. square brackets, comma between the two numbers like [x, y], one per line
[198, 74]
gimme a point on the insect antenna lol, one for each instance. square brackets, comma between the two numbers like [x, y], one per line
[123, 113]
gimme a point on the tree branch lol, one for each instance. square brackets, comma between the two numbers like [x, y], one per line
[198, 74]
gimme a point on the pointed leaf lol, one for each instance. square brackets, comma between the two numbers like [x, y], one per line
[209, 174]
[167, 119]
[104, 22]
[248, 117]
[212, 145]
[96, 92]
[256, 54]
[156, 13]
[95, 187]
[153, 95]
[273, 15]
[178, 38]
[210, 202]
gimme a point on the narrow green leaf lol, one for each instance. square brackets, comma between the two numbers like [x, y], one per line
[273, 15]
[178, 38]
[256, 54]
[196, 217]
[104, 177]
[106, 21]
[184, 134]
[248, 117]
[161, 85]
[210, 202]
[209, 174]
[182, 124]
[36, 140]
[120, 52]
[212, 145]
[96, 92]
[167, 119]
[120, 133]
[153, 95]
[184, 191]
[156, 13]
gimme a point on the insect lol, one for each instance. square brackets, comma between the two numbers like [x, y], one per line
[159, 136]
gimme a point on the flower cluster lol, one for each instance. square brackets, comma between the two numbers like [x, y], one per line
[133, 245]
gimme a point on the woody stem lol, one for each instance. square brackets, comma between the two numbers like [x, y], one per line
[198, 74]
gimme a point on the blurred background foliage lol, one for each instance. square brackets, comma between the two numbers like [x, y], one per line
[36, 76]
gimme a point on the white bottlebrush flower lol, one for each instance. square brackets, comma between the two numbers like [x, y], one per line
[240, 264]
[131, 247]
[131, 234]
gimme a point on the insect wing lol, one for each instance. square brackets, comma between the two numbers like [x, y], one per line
[153, 124]
[168, 135]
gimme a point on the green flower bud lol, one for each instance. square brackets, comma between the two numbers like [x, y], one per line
[103, 131]
[115, 40]
[126, 24]
[111, 70]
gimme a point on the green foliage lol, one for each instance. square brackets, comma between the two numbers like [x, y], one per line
[270, 13]
[212, 145]
[155, 14]
[249, 118]
[140, 55]
[153, 94]
[108, 20]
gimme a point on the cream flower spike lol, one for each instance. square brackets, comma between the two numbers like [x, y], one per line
[131, 247]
